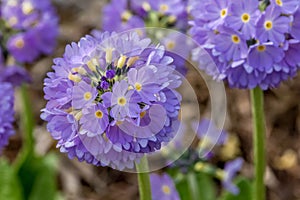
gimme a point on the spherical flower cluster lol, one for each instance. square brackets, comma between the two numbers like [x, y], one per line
[30, 28]
[112, 98]
[253, 43]
[163, 188]
[121, 15]
[6, 113]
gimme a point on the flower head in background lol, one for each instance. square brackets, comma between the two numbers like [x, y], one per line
[111, 99]
[251, 47]
[7, 113]
[209, 136]
[230, 170]
[31, 28]
[163, 188]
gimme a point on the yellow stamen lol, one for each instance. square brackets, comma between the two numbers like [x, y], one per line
[142, 114]
[27, 8]
[166, 189]
[146, 6]
[279, 2]
[261, 48]
[87, 96]
[74, 77]
[92, 64]
[118, 123]
[235, 39]
[79, 70]
[99, 114]
[121, 61]
[122, 101]
[223, 13]
[19, 43]
[108, 56]
[126, 15]
[220, 174]
[171, 45]
[13, 21]
[172, 19]
[138, 86]
[78, 116]
[245, 18]
[268, 25]
[132, 60]
[199, 166]
[163, 8]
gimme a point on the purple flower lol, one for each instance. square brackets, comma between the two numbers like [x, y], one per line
[94, 119]
[83, 95]
[163, 188]
[295, 27]
[15, 75]
[230, 170]
[272, 26]
[232, 45]
[118, 17]
[216, 12]
[144, 83]
[243, 17]
[287, 6]
[7, 113]
[112, 98]
[35, 24]
[263, 56]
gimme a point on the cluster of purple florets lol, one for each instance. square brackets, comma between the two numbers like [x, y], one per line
[28, 28]
[121, 15]
[253, 43]
[111, 98]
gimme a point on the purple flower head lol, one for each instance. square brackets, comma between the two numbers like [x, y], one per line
[216, 12]
[35, 24]
[272, 26]
[286, 6]
[112, 98]
[243, 16]
[7, 113]
[129, 14]
[163, 188]
[15, 75]
[118, 17]
[249, 47]
[209, 135]
[230, 170]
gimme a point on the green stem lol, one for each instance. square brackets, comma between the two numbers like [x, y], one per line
[259, 142]
[193, 185]
[144, 179]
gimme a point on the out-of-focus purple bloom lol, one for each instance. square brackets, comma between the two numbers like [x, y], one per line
[15, 75]
[163, 188]
[243, 17]
[287, 6]
[272, 26]
[35, 24]
[6, 113]
[129, 14]
[230, 170]
[116, 123]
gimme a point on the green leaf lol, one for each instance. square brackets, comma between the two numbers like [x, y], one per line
[10, 187]
[38, 177]
[207, 189]
[245, 187]
[183, 189]
[45, 183]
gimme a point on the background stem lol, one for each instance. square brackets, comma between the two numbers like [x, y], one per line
[144, 179]
[258, 142]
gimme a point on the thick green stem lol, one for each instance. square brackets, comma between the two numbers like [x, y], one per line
[258, 142]
[27, 120]
[144, 179]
